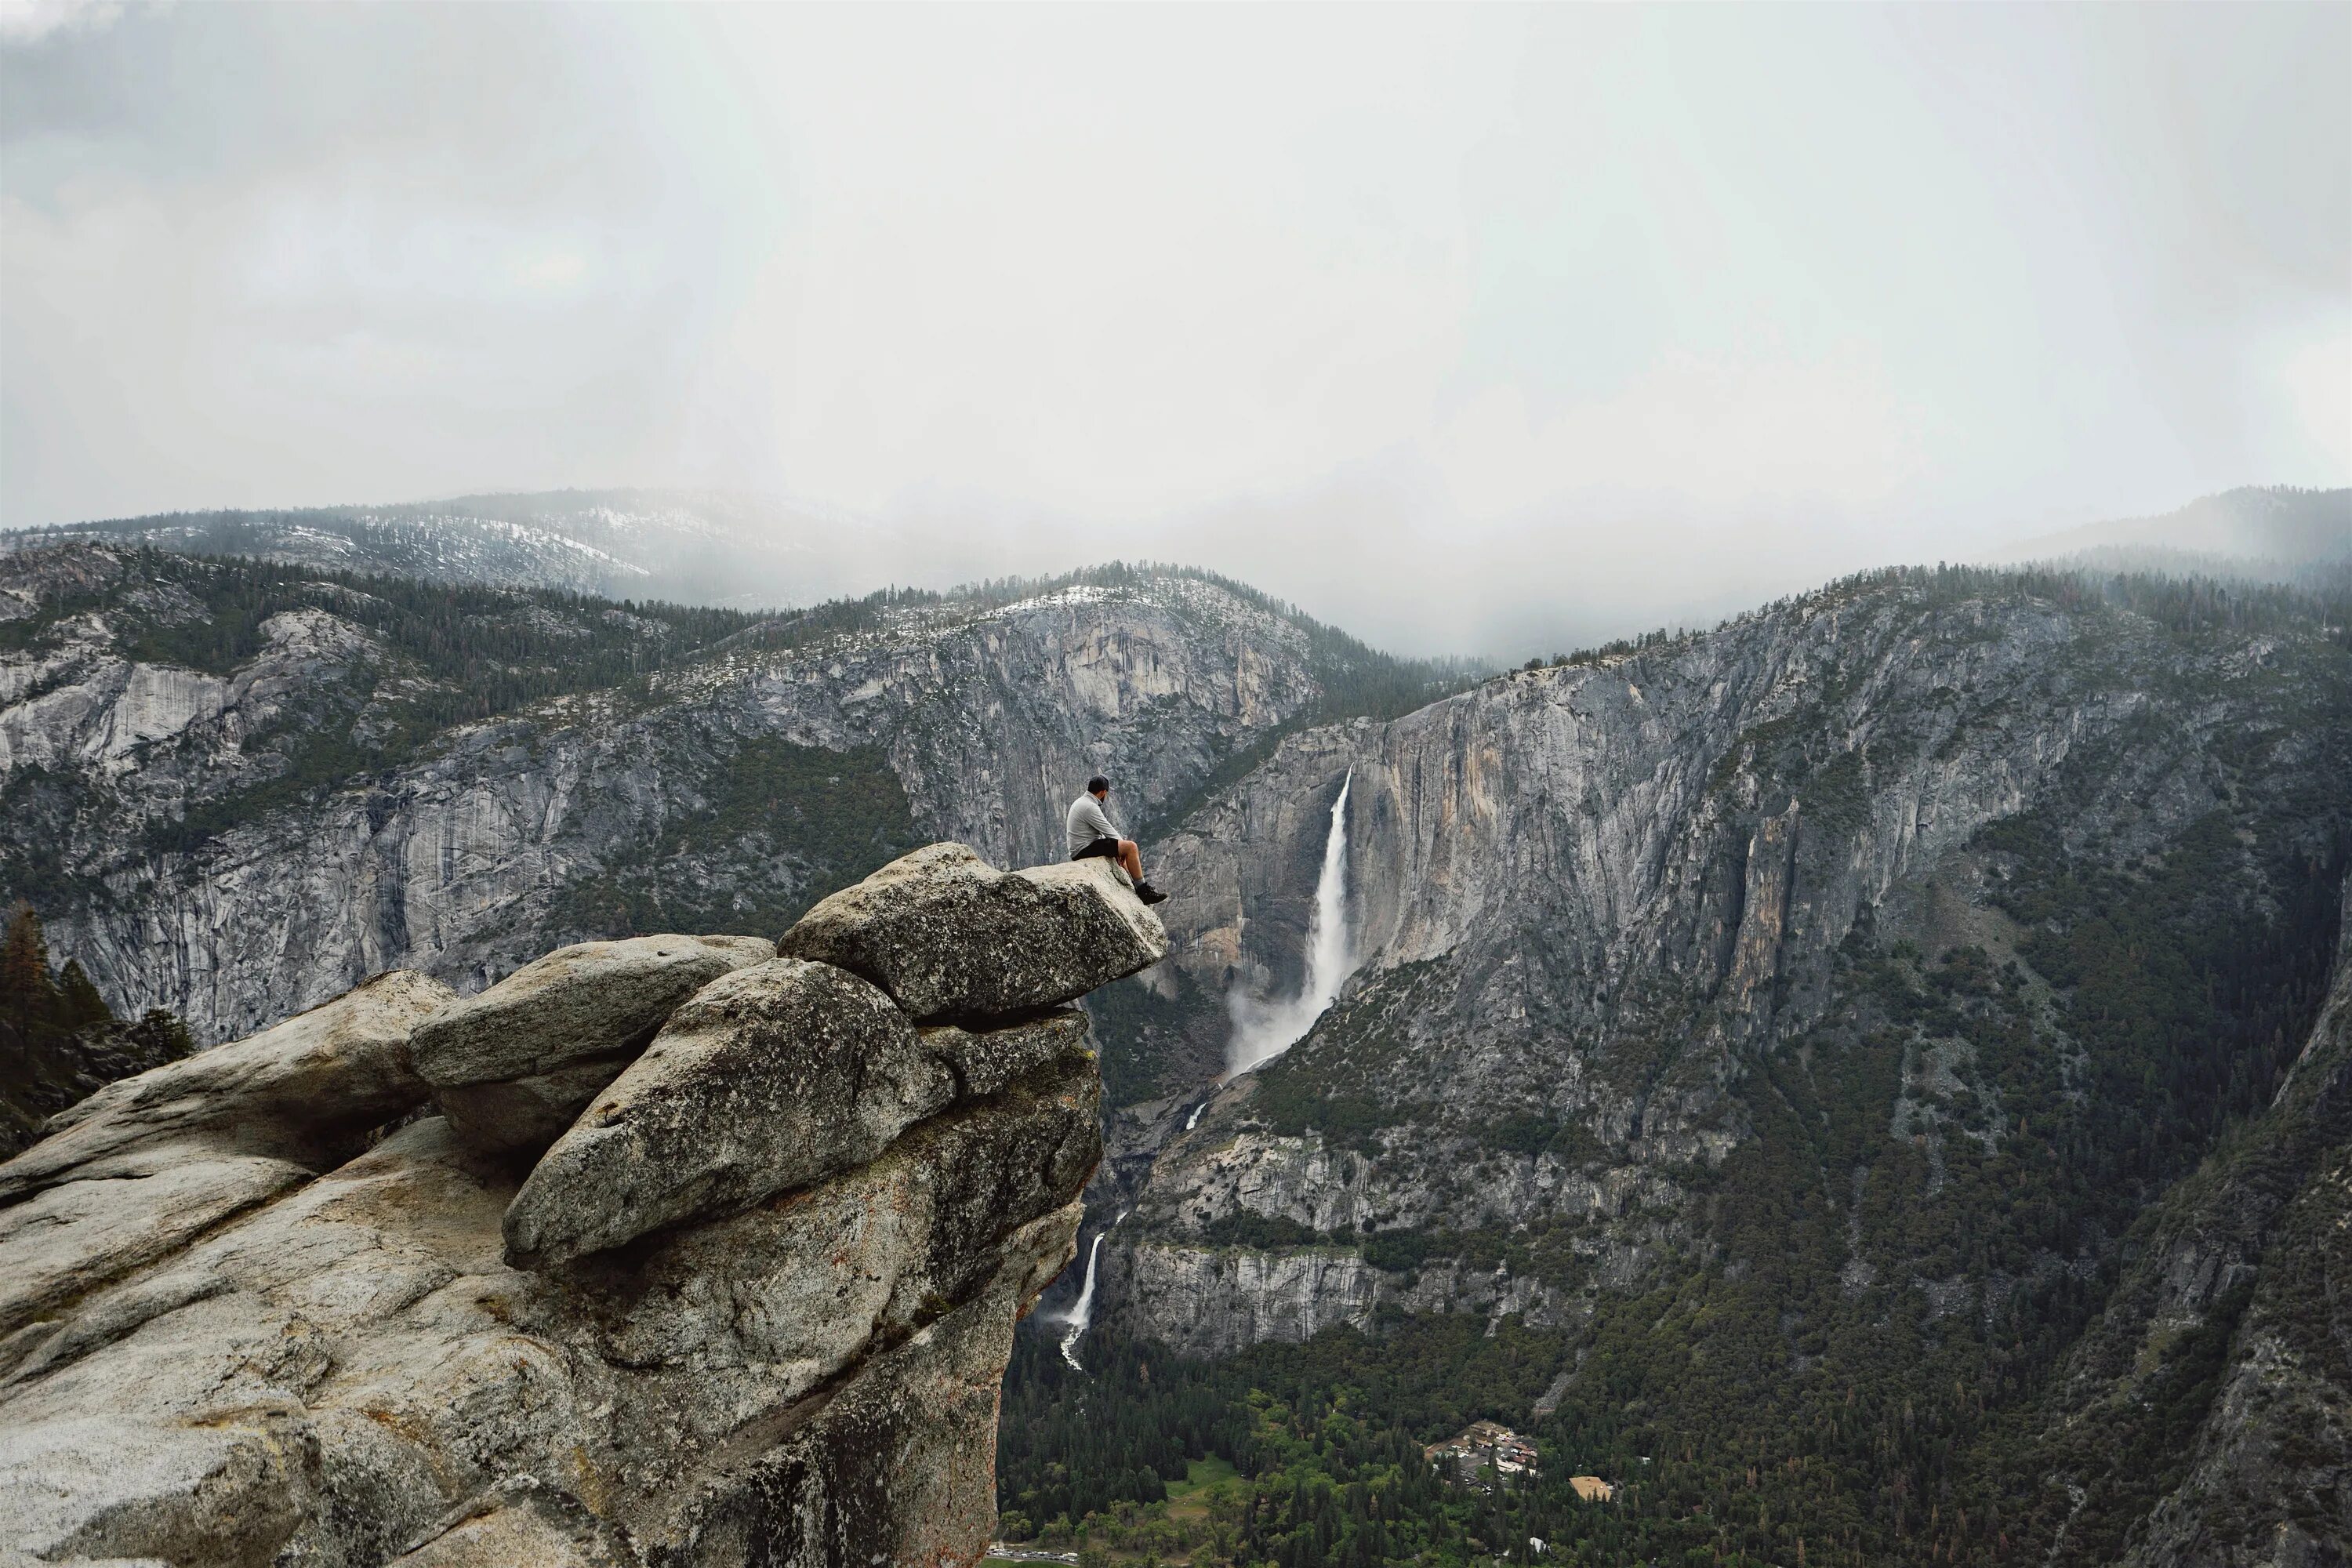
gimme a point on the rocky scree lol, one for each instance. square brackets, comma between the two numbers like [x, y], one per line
[259, 1310]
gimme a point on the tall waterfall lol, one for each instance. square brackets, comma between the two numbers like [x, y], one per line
[1082, 1314]
[1263, 1031]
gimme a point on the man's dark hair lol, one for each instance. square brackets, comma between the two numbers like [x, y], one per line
[1096, 784]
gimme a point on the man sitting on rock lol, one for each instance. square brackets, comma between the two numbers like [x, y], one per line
[1092, 833]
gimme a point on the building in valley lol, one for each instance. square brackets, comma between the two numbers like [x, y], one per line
[1466, 1456]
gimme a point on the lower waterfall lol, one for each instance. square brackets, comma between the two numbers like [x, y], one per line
[1083, 1313]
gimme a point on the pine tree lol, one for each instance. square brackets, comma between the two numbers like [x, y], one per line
[80, 1004]
[28, 994]
[159, 1036]
[59, 1038]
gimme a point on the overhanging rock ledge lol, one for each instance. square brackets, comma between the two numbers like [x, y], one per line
[753, 1303]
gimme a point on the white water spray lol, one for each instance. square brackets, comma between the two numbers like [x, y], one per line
[1263, 1031]
[1083, 1313]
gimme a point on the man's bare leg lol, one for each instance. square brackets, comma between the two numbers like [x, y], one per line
[1130, 858]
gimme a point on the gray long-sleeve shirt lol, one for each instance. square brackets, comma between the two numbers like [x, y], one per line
[1088, 822]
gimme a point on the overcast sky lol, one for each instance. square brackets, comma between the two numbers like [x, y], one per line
[1560, 298]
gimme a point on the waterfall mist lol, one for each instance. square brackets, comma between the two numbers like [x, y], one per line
[1263, 1030]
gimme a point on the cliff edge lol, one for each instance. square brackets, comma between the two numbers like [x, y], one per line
[673, 1250]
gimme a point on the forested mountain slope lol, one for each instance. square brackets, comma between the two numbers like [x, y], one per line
[1806, 1039]
[233, 789]
[2207, 1417]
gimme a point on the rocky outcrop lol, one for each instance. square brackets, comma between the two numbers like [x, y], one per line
[512, 1066]
[300, 1091]
[904, 928]
[43, 1073]
[60, 1042]
[146, 1166]
[262, 1307]
[774, 1078]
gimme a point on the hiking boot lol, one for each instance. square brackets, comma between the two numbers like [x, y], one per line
[1149, 894]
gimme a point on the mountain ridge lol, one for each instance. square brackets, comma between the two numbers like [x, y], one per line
[1731, 1003]
[471, 771]
[747, 551]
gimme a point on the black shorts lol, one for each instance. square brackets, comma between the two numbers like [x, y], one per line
[1106, 847]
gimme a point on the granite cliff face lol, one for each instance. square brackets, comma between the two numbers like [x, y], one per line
[1877, 970]
[235, 843]
[1585, 898]
[753, 1303]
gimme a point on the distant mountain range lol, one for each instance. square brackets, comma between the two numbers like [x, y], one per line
[749, 551]
[697, 547]
[2277, 533]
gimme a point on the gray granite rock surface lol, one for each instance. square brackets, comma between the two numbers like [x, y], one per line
[1051, 932]
[591, 999]
[253, 1310]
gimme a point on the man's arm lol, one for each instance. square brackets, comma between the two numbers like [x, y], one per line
[1099, 820]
